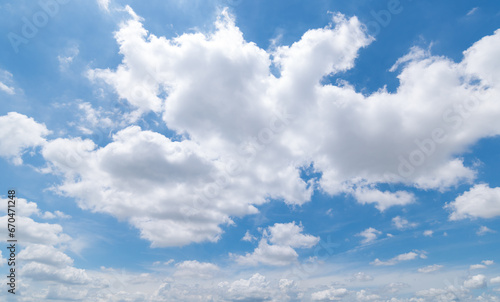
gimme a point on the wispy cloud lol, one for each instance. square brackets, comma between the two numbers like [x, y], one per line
[399, 258]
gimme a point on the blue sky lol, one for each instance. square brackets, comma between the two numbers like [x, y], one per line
[233, 150]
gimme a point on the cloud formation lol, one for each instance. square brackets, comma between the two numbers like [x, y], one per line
[369, 235]
[251, 119]
[18, 134]
[277, 247]
[480, 201]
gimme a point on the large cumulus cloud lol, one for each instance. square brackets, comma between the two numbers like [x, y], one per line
[247, 131]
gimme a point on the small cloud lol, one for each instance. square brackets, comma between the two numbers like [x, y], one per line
[475, 282]
[472, 11]
[402, 224]
[277, 245]
[398, 259]
[495, 280]
[483, 265]
[6, 82]
[370, 235]
[67, 58]
[248, 237]
[60, 214]
[430, 268]
[428, 233]
[483, 230]
[158, 263]
[383, 200]
[48, 215]
[85, 130]
[56, 214]
[7, 89]
[169, 262]
[93, 118]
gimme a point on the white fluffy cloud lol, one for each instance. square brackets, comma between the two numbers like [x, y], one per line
[474, 282]
[196, 270]
[257, 288]
[483, 264]
[480, 59]
[36, 232]
[268, 254]
[42, 256]
[290, 234]
[94, 117]
[383, 200]
[42, 251]
[480, 201]
[6, 89]
[27, 208]
[331, 294]
[18, 133]
[154, 182]
[45, 254]
[64, 275]
[276, 248]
